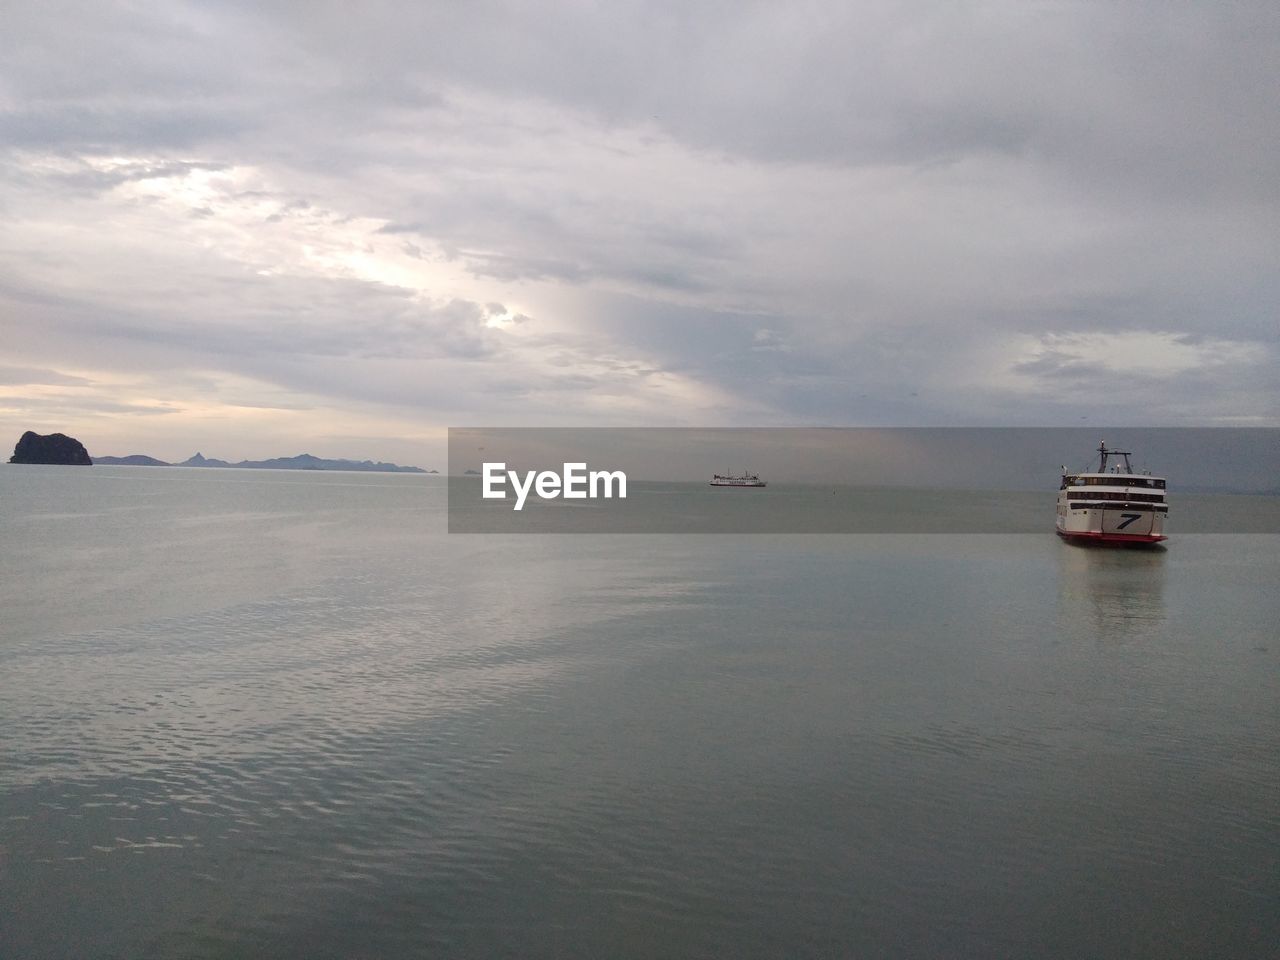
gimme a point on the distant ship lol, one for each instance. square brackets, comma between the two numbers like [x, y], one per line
[1113, 505]
[746, 480]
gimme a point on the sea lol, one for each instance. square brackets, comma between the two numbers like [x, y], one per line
[250, 713]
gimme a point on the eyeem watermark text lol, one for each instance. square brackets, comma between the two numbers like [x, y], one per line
[574, 483]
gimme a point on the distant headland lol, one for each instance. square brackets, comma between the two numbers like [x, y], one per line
[304, 461]
[58, 448]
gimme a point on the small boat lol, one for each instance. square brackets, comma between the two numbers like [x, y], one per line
[1113, 504]
[746, 480]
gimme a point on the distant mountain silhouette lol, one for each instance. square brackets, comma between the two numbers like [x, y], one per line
[55, 448]
[199, 461]
[133, 460]
[303, 461]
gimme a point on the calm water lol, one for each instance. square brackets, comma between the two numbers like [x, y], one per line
[277, 714]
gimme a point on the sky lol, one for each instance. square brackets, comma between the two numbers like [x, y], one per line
[258, 229]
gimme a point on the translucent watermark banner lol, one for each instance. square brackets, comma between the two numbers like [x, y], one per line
[863, 480]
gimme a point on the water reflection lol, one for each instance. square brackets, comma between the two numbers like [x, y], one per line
[1122, 590]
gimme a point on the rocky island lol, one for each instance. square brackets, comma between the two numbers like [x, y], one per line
[56, 448]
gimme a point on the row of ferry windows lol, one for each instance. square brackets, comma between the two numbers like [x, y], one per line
[1113, 495]
[1152, 508]
[1152, 482]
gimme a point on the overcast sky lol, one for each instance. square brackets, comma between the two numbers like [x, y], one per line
[257, 229]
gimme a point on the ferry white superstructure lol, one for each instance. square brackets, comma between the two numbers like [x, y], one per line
[1113, 505]
[746, 480]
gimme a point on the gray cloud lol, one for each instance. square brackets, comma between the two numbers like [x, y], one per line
[25, 376]
[79, 407]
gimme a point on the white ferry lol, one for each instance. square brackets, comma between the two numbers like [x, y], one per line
[1113, 504]
[746, 480]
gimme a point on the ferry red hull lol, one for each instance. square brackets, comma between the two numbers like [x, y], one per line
[1094, 537]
